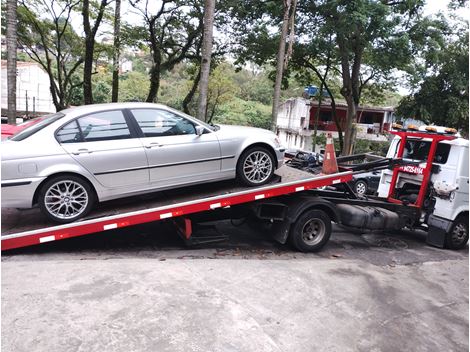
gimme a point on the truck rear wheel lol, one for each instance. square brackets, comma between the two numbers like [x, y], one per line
[311, 231]
[457, 237]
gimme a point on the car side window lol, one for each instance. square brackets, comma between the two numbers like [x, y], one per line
[70, 133]
[104, 126]
[159, 123]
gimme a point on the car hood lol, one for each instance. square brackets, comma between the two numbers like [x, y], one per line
[242, 131]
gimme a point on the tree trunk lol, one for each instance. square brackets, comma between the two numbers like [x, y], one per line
[189, 97]
[116, 54]
[154, 84]
[209, 7]
[90, 33]
[348, 134]
[280, 64]
[87, 71]
[11, 60]
[317, 116]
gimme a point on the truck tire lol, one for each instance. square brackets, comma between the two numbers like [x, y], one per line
[66, 198]
[311, 231]
[457, 237]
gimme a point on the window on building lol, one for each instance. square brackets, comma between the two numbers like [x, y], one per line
[325, 116]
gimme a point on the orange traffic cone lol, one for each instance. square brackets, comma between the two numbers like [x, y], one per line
[330, 166]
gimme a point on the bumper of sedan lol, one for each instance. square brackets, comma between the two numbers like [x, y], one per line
[280, 156]
[19, 193]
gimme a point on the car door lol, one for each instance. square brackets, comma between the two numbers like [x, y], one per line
[103, 144]
[175, 153]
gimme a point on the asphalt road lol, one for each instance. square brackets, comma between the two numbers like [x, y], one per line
[141, 289]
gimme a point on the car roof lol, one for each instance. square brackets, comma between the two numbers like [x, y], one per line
[84, 109]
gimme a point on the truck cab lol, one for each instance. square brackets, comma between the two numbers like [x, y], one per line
[446, 203]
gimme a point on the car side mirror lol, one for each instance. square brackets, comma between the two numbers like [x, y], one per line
[199, 130]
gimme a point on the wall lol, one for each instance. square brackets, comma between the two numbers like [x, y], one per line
[32, 82]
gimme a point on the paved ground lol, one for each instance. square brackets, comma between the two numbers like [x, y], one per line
[122, 291]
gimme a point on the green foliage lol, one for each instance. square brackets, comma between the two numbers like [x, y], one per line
[360, 145]
[368, 146]
[442, 96]
[133, 86]
[101, 88]
[245, 113]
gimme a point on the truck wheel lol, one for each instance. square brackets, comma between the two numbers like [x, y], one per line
[255, 166]
[311, 231]
[457, 237]
[66, 198]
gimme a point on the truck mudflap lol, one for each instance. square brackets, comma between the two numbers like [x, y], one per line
[368, 218]
[437, 231]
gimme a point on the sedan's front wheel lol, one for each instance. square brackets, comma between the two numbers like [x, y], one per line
[66, 198]
[255, 166]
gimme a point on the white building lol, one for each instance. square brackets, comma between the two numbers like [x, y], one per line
[33, 94]
[126, 66]
[297, 118]
[292, 124]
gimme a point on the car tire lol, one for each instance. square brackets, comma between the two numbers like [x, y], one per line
[311, 231]
[360, 187]
[66, 198]
[457, 237]
[255, 166]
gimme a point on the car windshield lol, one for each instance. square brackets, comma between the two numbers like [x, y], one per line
[29, 131]
[419, 150]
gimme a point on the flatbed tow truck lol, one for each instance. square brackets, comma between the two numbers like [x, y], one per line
[295, 207]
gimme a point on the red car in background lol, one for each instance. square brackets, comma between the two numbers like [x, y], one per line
[10, 130]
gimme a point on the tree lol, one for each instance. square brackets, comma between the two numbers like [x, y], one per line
[11, 59]
[281, 59]
[442, 96]
[203, 75]
[116, 52]
[314, 60]
[221, 90]
[90, 34]
[171, 32]
[371, 39]
[51, 42]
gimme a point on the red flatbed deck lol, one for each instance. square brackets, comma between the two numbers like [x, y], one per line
[22, 228]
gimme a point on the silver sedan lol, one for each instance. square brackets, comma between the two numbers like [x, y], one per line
[70, 160]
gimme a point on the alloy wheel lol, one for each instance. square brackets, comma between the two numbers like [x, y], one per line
[257, 167]
[361, 187]
[66, 199]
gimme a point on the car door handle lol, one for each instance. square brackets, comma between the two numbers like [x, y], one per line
[153, 144]
[81, 151]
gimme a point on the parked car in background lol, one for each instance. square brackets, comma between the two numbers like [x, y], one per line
[366, 183]
[10, 130]
[68, 161]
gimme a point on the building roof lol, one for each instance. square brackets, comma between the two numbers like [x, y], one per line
[327, 103]
[20, 64]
